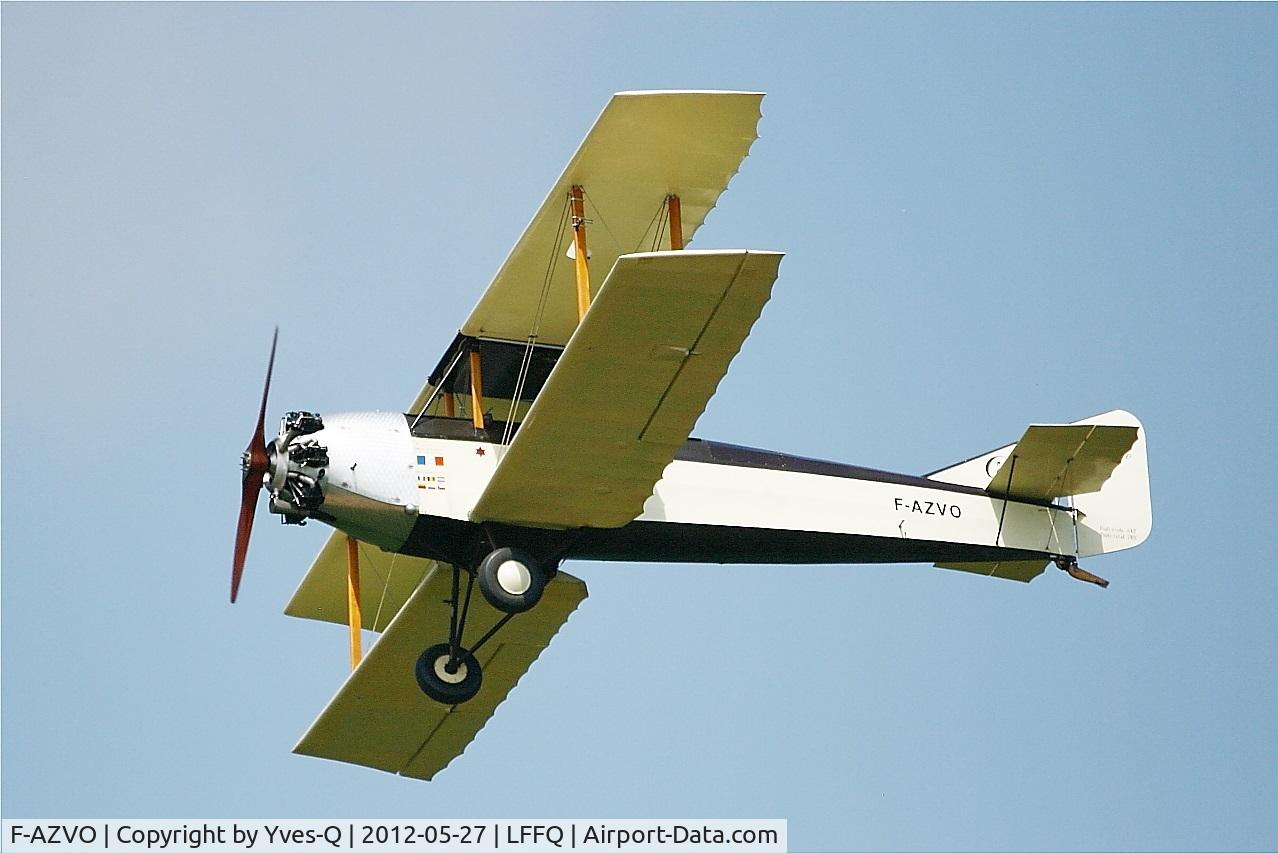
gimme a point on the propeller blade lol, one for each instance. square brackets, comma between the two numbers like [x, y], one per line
[255, 465]
[248, 503]
[259, 436]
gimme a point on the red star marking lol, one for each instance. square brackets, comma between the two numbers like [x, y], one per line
[479, 451]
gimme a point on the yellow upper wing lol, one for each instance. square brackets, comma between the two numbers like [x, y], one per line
[643, 147]
[629, 387]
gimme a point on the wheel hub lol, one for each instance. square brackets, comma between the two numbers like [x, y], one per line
[441, 671]
[514, 577]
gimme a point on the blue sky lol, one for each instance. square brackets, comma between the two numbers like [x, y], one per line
[994, 215]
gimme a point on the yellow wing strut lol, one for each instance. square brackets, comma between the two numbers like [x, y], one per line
[676, 222]
[579, 251]
[352, 598]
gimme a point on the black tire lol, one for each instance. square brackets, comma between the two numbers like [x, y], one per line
[437, 683]
[511, 588]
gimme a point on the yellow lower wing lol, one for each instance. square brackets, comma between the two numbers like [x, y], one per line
[628, 388]
[386, 582]
[381, 719]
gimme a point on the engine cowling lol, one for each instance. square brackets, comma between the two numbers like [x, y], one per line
[351, 470]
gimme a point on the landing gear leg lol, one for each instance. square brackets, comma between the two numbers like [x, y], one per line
[448, 672]
[512, 581]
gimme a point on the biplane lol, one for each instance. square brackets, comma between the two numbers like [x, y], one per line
[557, 426]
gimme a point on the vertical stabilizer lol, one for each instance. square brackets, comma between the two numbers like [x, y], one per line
[1120, 515]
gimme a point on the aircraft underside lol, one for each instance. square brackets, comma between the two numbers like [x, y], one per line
[457, 542]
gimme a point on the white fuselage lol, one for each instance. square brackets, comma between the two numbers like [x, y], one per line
[382, 481]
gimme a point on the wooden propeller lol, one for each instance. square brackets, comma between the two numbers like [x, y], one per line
[255, 464]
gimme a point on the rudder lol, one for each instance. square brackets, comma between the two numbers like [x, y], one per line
[1120, 515]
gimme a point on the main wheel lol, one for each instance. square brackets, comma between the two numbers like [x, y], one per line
[437, 682]
[511, 580]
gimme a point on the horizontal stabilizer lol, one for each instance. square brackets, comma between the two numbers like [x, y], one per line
[1057, 460]
[1016, 570]
[381, 719]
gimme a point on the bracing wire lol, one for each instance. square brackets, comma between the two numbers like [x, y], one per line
[661, 208]
[1007, 493]
[435, 393]
[615, 242]
[385, 586]
[525, 363]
